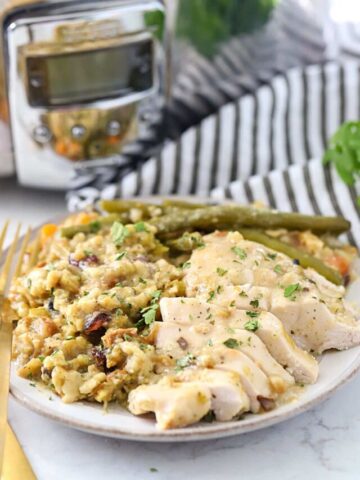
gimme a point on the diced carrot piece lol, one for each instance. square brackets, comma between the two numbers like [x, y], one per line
[340, 263]
[47, 232]
[84, 218]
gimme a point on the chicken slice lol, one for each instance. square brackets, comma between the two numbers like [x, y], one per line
[228, 398]
[175, 404]
[202, 319]
[176, 339]
[254, 381]
[315, 314]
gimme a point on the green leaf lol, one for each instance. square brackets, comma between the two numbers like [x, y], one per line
[149, 316]
[94, 226]
[290, 290]
[185, 265]
[231, 343]
[278, 269]
[209, 417]
[118, 233]
[239, 252]
[140, 227]
[252, 314]
[186, 361]
[221, 271]
[252, 325]
[121, 255]
[254, 303]
[156, 295]
[344, 152]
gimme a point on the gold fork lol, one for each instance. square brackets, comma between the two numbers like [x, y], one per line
[13, 463]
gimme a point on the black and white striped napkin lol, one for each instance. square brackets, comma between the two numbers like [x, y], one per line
[258, 148]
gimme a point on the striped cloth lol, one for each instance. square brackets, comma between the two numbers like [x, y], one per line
[265, 139]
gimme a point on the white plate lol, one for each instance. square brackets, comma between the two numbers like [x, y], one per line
[335, 369]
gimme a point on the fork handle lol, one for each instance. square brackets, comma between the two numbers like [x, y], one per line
[16, 465]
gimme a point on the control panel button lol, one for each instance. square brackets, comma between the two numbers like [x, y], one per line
[42, 134]
[78, 131]
[113, 128]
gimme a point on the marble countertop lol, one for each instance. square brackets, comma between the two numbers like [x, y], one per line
[322, 443]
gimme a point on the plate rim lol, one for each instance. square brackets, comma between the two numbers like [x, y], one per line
[221, 430]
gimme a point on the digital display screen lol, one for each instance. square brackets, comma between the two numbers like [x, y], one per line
[86, 76]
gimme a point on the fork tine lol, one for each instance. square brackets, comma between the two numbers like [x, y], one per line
[35, 251]
[22, 252]
[3, 234]
[5, 273]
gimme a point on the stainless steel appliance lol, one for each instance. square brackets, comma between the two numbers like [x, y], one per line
[81, 81]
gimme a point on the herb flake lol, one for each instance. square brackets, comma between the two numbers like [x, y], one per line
[118, 233]
[252, 325]
[290, 290]
[231, 343]
[239, 252]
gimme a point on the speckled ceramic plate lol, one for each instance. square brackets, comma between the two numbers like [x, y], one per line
[336, 368]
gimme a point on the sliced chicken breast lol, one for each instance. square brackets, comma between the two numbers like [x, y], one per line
[198, 322]
[248, 275]
[177, 340]
[228, 397]
[175, 404]
[254, 381]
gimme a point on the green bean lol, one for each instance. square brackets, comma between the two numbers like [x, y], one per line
[183, 204]
[122, 206]
[186, 243]
[92, 227]
[233, 217]
[305, 260]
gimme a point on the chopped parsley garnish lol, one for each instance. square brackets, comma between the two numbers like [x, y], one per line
[221, 271]
[153, 469]
[254, 303]
[232, 304]
[128, 338]
[239, 252]
[231, 343]
[41, 358]
[243, 294]
[252, 314]
[272, 256]
[94, 226]
[121, 255]
[185, 265]
[252, 325]
[118, 233]
[209, 417]
[211, 296]
[278, 269]
[140, 227]
[290, 290]
[149, 312]
[186, 361]
[156, 294]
